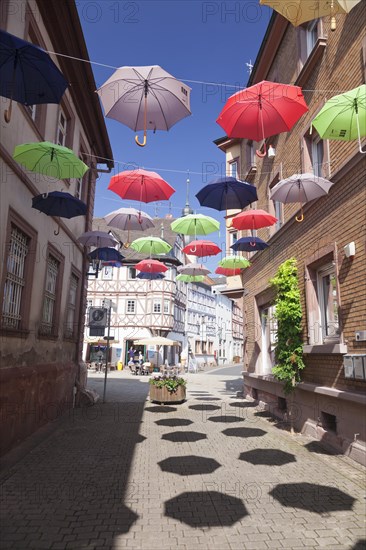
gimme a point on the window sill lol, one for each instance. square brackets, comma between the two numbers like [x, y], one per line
[17, 333]
[325, 348]
[311, 61]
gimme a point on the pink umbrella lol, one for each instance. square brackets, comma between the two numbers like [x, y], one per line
[141, 185]
[253, 219]
[202, 248]
[227, 271]
[151, 266]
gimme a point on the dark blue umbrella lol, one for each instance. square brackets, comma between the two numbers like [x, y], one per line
[106, 254]
[59, 204]
[28, 74]
[227, 194]
[249, 244]
[150, 276]
[112, 264]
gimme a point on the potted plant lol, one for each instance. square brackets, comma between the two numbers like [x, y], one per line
[167, 389]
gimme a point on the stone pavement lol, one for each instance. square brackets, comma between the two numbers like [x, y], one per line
[212, 473]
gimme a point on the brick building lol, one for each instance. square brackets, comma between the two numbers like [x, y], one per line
[329, 405]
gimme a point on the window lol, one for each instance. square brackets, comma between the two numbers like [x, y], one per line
[233, 169]
[250, 158]
[157, 306]
[131, 306]
[166, 306]
[72, 307]
[311, 31]
[307, 39]
[315, 157]
[269, 338]
[328, 302]
[233, 237]
[275, 208]
[107, 273]
[131, 273]
[79, 189]
[50, 296]
[61, 128]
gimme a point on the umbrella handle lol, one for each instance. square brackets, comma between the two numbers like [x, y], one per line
[259, 154]
[7, 112]
[359, 135]
[57, 232]
[301, 217]
[143, 143]
[145, 124]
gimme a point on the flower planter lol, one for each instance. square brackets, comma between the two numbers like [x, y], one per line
[162, 395]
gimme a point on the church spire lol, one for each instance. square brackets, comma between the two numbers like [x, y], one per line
[187, 209]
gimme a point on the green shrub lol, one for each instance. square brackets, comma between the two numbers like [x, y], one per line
[171, 383]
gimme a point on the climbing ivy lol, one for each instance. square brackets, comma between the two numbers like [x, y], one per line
[288, 351]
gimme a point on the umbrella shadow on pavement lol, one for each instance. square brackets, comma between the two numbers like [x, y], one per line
[208, 398]
[226, 418]
[174, 422]
[243, 404]
[244, 432]
[205, 509]
[161, 409]
[184, 437]
[189, 465]
[267, 457]
[312, 497]
[360, 545]
[316, 447]
[204, 407]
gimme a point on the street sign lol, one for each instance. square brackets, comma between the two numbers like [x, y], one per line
[96, 331]
[98, 317]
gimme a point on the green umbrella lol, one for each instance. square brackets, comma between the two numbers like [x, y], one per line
[343, 116]
[50, 159]
[150, 245]
[234, 262]
[195, 224]
[189, 278]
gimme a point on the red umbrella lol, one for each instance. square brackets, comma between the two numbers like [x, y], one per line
[140, 185]
[262, 110]
[253, 219]
[202, 248]
[151, 266]
[227, 271]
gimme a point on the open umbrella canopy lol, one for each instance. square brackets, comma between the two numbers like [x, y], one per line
[300, 188]
[27, 73]
[227, 271]
[57, 203]
[145, 98]
[193, 269]
[190, 278]
[249, 244]
[253, 219]
[201, 248]
[155, 341]
[343, 116]
[299, 12]
[97, 238]
[150, 276]
[227, 194]
[129, 219]
[141, 185]
[262, 110]
[234, 262]
[151, 266]
[106, 254]
[195, 224]
[50, 159]
[150, 245]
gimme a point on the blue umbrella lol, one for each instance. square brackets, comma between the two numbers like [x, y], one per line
[59, 204]
[28, 74]
[150, 276]
[112, 264]
[106, 254]
[249, 244]
[227, 194]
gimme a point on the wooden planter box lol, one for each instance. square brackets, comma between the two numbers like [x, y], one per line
[162, 395]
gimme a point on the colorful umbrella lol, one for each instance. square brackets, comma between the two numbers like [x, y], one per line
[140, 185]
[195, 224]
[201, 248]
[190, 278]
[249, 244]
[299, 12]
[57, 203]
[343, 117]
[262, 110]
[151, 266]
[129, 219]
[151, 245]
[234, 262]
[150, 276]
[97, 238]
[193, 269]
[253, 219]
[106, 254]
[227, 272]
[227, 194]
[145, 98]
[300, 188]
[50, 159]
[27, 74]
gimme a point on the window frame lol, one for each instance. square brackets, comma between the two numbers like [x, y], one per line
[133, 311]
[131, 273]
[72, 335]
[156, 306]
[232, 163]
[60, 258]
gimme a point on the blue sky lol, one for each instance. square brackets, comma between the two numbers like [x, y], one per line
[209, 41]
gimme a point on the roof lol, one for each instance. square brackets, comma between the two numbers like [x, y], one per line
[131, 256]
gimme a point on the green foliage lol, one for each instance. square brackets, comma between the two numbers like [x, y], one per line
[171, 383]
[289, 346]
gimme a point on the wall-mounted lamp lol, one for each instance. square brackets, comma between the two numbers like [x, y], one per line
[271, 152]
[350, 250]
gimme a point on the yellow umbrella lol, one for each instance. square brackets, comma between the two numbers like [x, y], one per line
[299, 12]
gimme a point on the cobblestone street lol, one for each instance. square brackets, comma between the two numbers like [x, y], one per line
[212, 473]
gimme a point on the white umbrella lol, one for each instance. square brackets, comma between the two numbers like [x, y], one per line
[193, 269]
[128, 219]
[165, 99]
[97, 238]
[300, 188]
